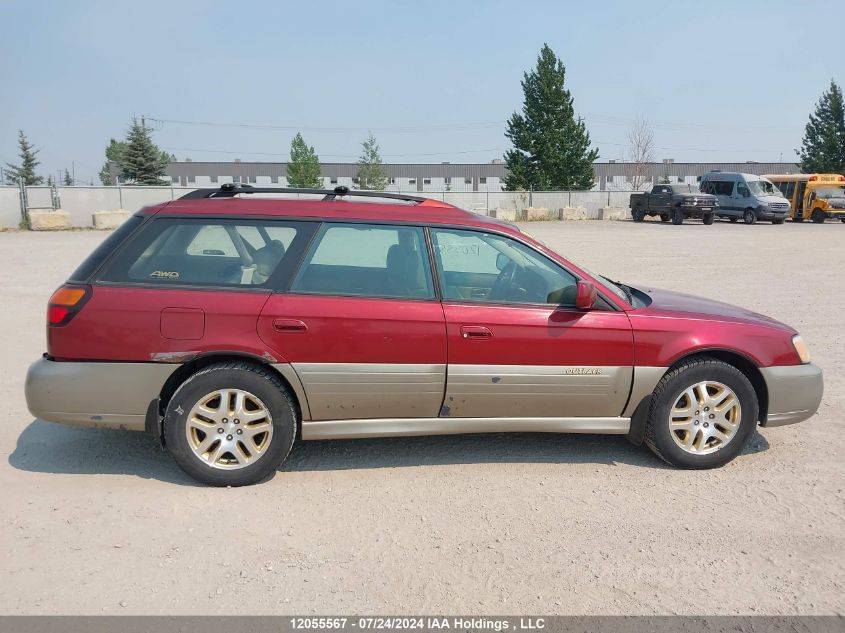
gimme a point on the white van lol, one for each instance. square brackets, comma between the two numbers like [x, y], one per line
[745, 196]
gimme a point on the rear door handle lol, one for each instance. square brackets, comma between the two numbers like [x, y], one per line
[475, 332]
[289, 325]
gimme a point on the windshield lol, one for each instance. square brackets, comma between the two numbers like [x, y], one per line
[830, 192]
[763, 188]
[684, 189]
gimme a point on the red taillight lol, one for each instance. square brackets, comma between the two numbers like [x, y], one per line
[65, 303]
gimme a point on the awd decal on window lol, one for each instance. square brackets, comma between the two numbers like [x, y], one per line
[164, 274]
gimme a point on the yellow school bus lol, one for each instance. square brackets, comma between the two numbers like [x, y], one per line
[817, 197]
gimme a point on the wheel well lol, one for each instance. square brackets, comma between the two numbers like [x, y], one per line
[743, 364]
[191, 367]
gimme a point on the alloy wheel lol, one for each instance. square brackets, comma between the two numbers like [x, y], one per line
[229, 429]
[705, 417]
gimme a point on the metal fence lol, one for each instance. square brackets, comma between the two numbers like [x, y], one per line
[81, 202]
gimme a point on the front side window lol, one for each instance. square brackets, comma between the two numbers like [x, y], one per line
[483, 267]
[174, 251]
[367, 260]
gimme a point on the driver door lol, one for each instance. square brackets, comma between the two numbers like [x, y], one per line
[517, 346]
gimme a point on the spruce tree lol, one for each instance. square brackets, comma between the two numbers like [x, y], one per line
[371, 174]
[67, 181]
[114, 150]
[26, 170]
[304, 166]
[823, 147]
[141, 162]
[551, 146]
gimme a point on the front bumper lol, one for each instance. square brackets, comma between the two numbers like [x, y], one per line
[795, 393]
[95, 394]
[770, 214]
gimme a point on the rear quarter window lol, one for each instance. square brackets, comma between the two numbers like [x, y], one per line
[235, 253]
[106, 248]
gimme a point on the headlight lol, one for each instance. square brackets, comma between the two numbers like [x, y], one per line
[801, 349]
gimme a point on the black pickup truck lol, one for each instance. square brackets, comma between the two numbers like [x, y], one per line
[674, 202]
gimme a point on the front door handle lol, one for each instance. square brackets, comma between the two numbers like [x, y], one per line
[289, 325]
[475, 332]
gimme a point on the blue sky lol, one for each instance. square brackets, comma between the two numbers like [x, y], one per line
[434, 81]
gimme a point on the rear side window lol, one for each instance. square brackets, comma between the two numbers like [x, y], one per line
[367, 260]
[240, 253]
[106, 247]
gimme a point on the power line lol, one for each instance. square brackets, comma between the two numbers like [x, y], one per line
[286, 154]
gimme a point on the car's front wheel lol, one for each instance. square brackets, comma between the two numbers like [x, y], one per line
[677, 216]
[702, 414]
[230, 424]
[708, 218]
[748, 217]
[818, 216]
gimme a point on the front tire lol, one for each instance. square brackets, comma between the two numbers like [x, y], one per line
[748, 217]
[708, 218]
[677, 216]
[818, 216]
[230, 424]
[701, 415]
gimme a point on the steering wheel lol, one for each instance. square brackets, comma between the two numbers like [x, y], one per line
[503, 281]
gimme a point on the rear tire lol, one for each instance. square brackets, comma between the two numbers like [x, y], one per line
[708, 218]
[748, 217]
[677, 402]
[818, 216]
[231, 424]
[638, 215]
[677, 216]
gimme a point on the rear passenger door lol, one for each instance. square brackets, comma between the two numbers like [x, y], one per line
[361, 324]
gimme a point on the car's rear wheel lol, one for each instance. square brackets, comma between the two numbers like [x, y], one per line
[748, 217]
[708, 218]
[818, 216]
[230, 424]
[638, 215]
[677, 216]
[702, 414]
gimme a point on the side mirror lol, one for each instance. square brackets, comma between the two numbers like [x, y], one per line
[585, 295]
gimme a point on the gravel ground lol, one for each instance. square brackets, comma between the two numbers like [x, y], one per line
[104, 522]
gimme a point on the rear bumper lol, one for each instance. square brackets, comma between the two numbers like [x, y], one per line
[795, 393]
[98, 395]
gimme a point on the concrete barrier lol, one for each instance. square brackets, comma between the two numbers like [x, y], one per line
[534, 214]
[573, 213]
[109, 219]
[49, 220]
[614, 213]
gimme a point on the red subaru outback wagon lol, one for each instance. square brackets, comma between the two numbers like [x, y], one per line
[229, 325]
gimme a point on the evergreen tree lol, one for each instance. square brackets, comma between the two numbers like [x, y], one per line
[141, 162]
[26, 170]
[114, 150]
[551, 146]
[67, 181]
[823, 147]
[371, 174]
[50, 181]
[304, 166]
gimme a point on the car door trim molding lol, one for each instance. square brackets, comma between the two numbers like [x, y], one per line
[370, 390]
[408, 427]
